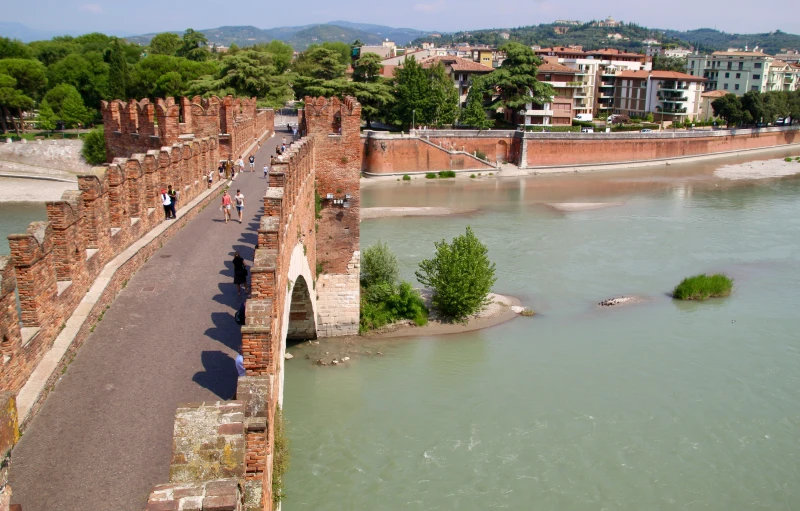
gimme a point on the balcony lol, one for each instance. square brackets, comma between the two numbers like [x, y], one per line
[667, 110]
[604, 95]
[673, 99]
[672, 86]
[606, 85]
[564, 84]
[606, 107]
[539, 113]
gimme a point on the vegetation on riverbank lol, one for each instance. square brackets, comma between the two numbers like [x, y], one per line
[280, 457]
[384, 298]
[701, 287]
[460, 276]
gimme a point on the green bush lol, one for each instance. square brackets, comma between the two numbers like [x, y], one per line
[407, 303]
[280, 458]
[480, 154]
[379, 266]
[447, 173]
[472, 176]
[700, 287]
[94, 147]
[430, 175]
[406, 177]
[554, 129]
[460, 276]
[383, 304]
[788, 158]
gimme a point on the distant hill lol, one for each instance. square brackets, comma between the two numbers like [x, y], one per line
[630, 37]
[708, 38]
[26, 34]
[301, 36]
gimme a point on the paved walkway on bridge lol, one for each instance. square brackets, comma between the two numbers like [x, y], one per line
[103, 438]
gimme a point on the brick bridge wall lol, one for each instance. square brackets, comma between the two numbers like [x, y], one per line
[140, 126]
[285, 290]
[52, 266]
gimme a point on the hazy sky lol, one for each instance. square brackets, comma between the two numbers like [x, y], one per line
[143, 16]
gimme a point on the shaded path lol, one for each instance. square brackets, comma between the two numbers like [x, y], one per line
[104, 436]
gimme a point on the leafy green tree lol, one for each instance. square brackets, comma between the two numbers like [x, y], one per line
[412, 94]
[368, 68]
[793, 104]
[67, 105]
[729, 107]
[87, 72]
[14, 49]
[515, 80]
[153, 77]
[248, 73]
[194, 46]
[30, 75]
[47, 118]
[12, 99]
[474, 114]
[165, 43]
[94, 147]
[320, 63]
[370, 88]
[379, 266]
[444, 97]
[460, 276]
[118, 73]
[663, 63]
[50, 52]
[343, 49]
[282, 54]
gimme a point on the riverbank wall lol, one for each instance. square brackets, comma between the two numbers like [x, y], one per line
[469, 150]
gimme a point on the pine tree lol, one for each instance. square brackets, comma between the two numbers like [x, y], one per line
[474, 115]
[47, 118]
[118, 77]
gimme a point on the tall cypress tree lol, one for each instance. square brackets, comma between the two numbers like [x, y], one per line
[118, 73]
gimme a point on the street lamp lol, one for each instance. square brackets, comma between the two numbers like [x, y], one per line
[413, 117]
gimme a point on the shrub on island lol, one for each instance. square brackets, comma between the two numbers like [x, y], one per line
[701, 287]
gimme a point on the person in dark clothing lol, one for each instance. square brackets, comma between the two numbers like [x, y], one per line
[239, 273]
[173, 198]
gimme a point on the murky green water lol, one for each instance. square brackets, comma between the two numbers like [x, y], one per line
[15, 217]
[661, 405]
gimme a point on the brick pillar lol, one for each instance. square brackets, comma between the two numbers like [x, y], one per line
[117, 195]
[68, 237]
[32, 256]
[134, 177]
[95, 213]
[10, 335]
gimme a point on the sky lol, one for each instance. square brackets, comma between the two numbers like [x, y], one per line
[146, 16]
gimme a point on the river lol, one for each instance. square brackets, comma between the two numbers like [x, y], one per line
[660, 405]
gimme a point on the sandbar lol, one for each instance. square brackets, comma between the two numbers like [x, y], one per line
[764, 169]
[387, 212]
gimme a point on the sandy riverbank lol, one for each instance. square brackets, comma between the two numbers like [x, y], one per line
[33, 190]
[759, 169]
[567, 207]
[499, 311]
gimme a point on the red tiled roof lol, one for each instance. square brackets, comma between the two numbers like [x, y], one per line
[457, 64]
[550, 66]
[715, 94]
[740, 54]
[661, 75]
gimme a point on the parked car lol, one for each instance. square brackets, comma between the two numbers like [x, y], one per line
[646, 131]
[587, 130]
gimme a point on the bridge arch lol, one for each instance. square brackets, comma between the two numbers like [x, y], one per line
[299, 315]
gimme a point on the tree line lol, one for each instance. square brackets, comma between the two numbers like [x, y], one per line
[759, 108]
[66, 78]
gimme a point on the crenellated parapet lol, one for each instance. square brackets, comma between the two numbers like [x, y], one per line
[140, 126]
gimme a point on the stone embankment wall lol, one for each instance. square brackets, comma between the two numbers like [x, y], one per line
[435, 150]
[56, 158]
[139, 126]
[555, 149]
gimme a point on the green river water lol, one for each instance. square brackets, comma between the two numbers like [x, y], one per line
[660, 405]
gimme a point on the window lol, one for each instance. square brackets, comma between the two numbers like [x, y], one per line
[741, 66]
[757, 65]
[730, 65]
[756, 77]
[754, 87]
[727, 75]
[738, 75]
[548, 78]
[725, 86]
[693, 63]
[736, 87]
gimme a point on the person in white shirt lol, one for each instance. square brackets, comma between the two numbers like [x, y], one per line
[166, 202]
[240, 364]
[240, 163]
[239, 199]
[266, 170]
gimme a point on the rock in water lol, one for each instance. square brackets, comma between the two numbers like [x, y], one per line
[288, 356]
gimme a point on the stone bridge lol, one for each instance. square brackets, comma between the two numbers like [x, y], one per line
[125, 317]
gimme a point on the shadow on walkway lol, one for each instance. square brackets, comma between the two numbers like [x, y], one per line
[219, 375]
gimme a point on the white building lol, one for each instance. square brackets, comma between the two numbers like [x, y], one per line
[734, 71]
[668, 95]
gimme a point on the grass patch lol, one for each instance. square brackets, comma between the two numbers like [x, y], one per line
[430, 175]
[527, 312]
[280, 458]
[701, 287]
[406, 177]
[447, 173]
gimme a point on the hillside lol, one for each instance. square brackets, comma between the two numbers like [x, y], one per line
[301, 36]
[597, 37]
[708, 38]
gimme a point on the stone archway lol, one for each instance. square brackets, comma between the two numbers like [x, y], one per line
[301, 313]
[501, 151]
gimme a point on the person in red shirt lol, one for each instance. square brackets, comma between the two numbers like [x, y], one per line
[226, 206]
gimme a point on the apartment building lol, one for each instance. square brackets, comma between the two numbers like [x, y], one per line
[736, 72]
[783, 76]
[706, 112]
[559, 110]
[460, 70]
[668, 95]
